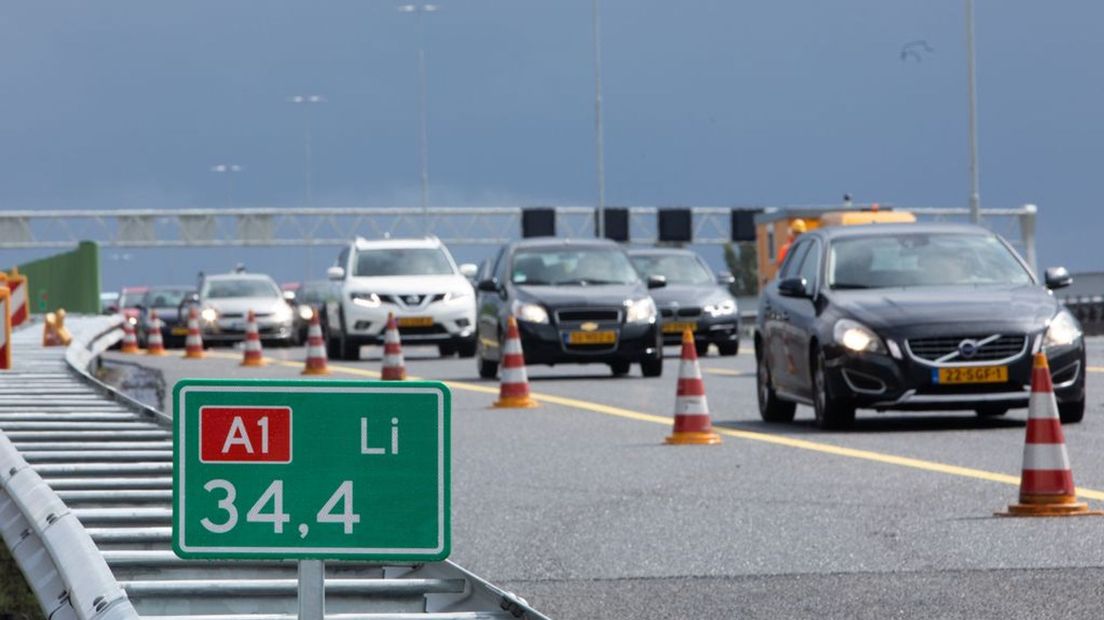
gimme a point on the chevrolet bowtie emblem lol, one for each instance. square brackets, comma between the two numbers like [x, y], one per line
[589, 326]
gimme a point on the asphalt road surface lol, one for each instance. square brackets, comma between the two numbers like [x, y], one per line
[580, 508]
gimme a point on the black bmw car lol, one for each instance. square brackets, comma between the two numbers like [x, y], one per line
[693, 299]
[911, 317]
[575, 301]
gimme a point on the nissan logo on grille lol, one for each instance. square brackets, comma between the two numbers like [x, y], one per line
[412, 300]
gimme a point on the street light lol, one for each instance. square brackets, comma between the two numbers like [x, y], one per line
[306, 101]
[229, 170]
[423, 139]
[975, 191]
[599, 155]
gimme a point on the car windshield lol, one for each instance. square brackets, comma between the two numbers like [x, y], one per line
[677, 268]
[165, 298]
[402, 262]
[131, 299]
[922, 260]
[579, 266]
[251, 287]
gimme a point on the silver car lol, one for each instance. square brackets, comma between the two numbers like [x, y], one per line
[226, 299]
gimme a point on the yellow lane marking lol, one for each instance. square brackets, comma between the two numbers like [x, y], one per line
[778, 440]
[1096, 368]
[729, 373]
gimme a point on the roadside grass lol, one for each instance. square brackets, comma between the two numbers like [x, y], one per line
[16, 600]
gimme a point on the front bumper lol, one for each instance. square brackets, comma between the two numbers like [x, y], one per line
[452, 322]
[884, 382]
[706, 329]
[233, 330]
[546, 343]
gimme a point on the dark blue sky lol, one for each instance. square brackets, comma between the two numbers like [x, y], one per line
[129, 103]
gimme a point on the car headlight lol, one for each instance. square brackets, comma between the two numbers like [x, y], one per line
[209, 314]
[306, 313]
[640, 310]
[857, 337]
[530, 313]
[1063, 330]
[133, 320]
[454, 295]
[724, 308]
[368, 300]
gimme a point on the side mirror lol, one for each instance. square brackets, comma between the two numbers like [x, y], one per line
[335, 273]
[490, 285]
[793, 287]
[1058, 277]
[468, 270]
[289, 296]
[657, 282]
[725, 278]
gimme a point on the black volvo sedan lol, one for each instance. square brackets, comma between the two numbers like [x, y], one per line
[911, 317]
[576, 301]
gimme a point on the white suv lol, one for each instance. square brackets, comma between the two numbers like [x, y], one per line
[417, 280]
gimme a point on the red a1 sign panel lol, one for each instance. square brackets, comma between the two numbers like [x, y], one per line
[245, 435]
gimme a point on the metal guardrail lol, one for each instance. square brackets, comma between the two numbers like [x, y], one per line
[85, 499]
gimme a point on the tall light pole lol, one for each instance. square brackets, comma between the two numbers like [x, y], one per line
[423, 134]
[599, 142]
[975, 191]
[229, 170]
[306, 101]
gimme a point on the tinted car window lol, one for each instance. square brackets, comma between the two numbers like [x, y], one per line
[313, 292]
[164, 298]
[677, 268]
[922, 260]
[402, 262]
[793, 259]
[572, 266]
[810, 267]
[218, 289]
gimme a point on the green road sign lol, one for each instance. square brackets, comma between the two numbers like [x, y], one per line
[311, 469]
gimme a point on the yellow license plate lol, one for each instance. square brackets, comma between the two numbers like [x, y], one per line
[180, 331]
[971, 374]
[605, 337]
[678, 328]
[416, 321]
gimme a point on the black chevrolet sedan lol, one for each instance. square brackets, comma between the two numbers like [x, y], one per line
[693, 299]
[575, 301]
[911, 317]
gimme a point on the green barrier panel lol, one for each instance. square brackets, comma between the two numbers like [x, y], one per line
[70, 280]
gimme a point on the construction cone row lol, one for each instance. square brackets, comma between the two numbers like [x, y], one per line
[513, 390]
[252, 354]
[130, 340]
[193, 344]
[394, 368]
[1046, 485]
[316, 349]
[155, 344]
[692, 423]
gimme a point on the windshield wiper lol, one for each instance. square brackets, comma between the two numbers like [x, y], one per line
[588, 281]
[850, 285]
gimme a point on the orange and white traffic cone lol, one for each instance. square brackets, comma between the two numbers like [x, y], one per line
[513, 390]
[155, 345]
[193, 344]
[1046, 485]
[252, 355]
[394, 368]
[130, 340]
[316, 349]
[692, 423]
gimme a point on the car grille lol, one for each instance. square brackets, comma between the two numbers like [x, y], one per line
[587, 314]
[670, 313]
[411, 301]
[1005, 347]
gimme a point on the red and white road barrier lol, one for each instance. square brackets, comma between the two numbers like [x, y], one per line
[130, 339]
[513, 389]
[5, 328]
[155, 344]
[252, 354]
[193, 344]
[316, 349]
[17, 284]
[692, 422]
[394, 367]
[1046, 485]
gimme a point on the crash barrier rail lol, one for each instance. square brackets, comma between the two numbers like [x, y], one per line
[85, 500]
[705, 225]
[1089, 311]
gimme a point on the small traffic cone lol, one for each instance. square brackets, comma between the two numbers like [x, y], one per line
[193, 344]
[130, 341]
[316, 349]
[394, 368]
[62, 330]
[513, 390]
[692, 423]
[155, 345]
[1046, 485]
[252, 355]
[50, 336]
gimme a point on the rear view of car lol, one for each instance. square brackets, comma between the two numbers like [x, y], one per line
[171, 304]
